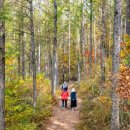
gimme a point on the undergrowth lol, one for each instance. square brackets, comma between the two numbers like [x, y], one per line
[95, 113]
[20, 114]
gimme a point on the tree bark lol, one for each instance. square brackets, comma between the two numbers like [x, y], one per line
[90, 46]
[50, 64]
[55, 67]
[39, 44]
[128, 17]
[39, 56]
[33, 54]
[95, 45]
[82, 38]
[63, 68]
[78, 58]
[115, 124]
[19, 56]
[23, 52]
[102, 46]
[2, 71]
[69, 38]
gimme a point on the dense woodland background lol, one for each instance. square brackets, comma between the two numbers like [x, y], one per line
[46, 42]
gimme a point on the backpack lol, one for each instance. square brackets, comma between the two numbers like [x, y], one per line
[64, 86]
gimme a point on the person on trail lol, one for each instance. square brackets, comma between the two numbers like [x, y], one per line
[73, 97]
[64, 98]
[64, 86]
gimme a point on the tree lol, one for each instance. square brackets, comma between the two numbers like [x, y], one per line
[39, 39]
[115, 125]
[33, 59]
[128, 17]
[69, 38]
[22, 42]
[103, 45]
[82, 37]
[90, 46]
[2, 70]
[55, 66]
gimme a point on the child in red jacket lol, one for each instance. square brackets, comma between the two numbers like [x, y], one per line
[64, 97]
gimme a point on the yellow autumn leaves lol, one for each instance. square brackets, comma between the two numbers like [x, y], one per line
[125, 47]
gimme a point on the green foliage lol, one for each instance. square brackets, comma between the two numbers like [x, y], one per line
[127, 60]
[5, 13]
[89, 87]
[23, 126]
[43, 109]
[19, 108]
[124, 114]
[95, 112]
[125, 52]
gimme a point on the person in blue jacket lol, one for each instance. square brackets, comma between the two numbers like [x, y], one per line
[64, 86]
[73, 103]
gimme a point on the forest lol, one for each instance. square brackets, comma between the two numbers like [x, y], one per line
[44, 43]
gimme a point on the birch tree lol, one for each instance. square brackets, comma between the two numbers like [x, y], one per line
[39, 39]
[102, 46]
[82, 37]
[115, 125]
[55, 69]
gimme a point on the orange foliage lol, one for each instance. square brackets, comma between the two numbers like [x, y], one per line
[87, 54]
[124, 83]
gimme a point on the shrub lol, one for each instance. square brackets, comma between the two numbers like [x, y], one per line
[20, 115]
[95, 112]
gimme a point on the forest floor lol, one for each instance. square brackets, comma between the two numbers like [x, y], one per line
[64, 119]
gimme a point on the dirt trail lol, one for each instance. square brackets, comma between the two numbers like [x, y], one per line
[64, 119]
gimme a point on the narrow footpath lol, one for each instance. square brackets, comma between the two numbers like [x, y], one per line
[64, 119]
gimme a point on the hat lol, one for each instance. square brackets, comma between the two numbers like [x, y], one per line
[73, 90]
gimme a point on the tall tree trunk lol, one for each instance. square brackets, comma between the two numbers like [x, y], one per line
[94, 42]
[39, 56]
[55, 67]
[39, 38]
[102, 46]
[50, 63]
[69, 38]
[23, 54]
[19, 56]
[79, 73]
[90, 46]
[111, 29]
[78, 58]
[19, 67]
[2, 71]
[102, 65]
[115, 124]
[63, 57]
[128, 17]
[33, 54]
[29, 65]
[110, 37]
[22, 42]
[82, 37]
